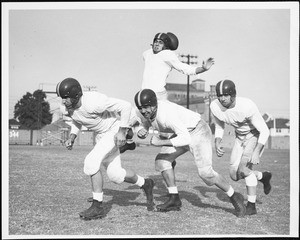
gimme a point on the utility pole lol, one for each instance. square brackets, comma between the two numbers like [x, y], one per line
[90, 88]
[188, 56]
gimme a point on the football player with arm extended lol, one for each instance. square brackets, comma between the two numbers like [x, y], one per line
[190, 134]
[160, 59]
[110, 119]
[251, 135]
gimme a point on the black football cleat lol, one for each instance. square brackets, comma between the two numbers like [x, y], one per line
[95, 211]
[172, 204]
[250, 208]
[266, 182]
[237, 201]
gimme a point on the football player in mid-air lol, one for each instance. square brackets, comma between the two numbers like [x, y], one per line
[110, 119]
[189, 133]
[161, 58]
[251, 135]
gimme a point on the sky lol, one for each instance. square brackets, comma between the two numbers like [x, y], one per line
[101, 45]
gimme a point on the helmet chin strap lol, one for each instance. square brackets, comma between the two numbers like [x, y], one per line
[75, 101]
[232, 100]
[154, 112]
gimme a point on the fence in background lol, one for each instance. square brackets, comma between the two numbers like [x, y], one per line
[45, 138]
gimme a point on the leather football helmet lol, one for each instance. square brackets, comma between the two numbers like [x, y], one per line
[164, 37]
[144, 98]
[174, 42]
[69, 87]
[170, 40]
[226, 87]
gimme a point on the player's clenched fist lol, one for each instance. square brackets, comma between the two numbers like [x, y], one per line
[142, 133]
[69, 144]
[255, 158]
[219, 149]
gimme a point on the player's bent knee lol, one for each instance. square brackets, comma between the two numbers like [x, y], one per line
[208, 175]
[91, 166]
[234, 174]
[116, 175]
[242, 172]
[162, 165]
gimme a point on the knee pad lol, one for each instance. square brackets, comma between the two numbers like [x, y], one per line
[251, 180]
[116, 174]
[162, 165]
[208, 175]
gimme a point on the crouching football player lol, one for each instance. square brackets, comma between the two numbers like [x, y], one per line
[251, 135]
[109, 118]
[190, 133]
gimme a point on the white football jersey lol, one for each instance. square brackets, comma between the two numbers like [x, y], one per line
[244, 117]
[100, 113]
[158, 67]
[173, 118]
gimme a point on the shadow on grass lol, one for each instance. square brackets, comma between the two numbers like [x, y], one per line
[128, 198]
[194, 199]
[121, 198]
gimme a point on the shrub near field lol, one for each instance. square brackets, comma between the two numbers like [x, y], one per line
[47, 190]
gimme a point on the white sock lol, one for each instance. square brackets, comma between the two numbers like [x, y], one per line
[173, 190]
[141, 181]
[98, 196]
[230, 192]
[252, 198]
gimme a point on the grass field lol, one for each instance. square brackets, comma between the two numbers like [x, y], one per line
[47, 190]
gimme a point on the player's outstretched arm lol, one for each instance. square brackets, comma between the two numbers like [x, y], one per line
[206, 65]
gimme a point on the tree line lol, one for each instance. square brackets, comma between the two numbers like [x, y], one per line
[33, 111]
